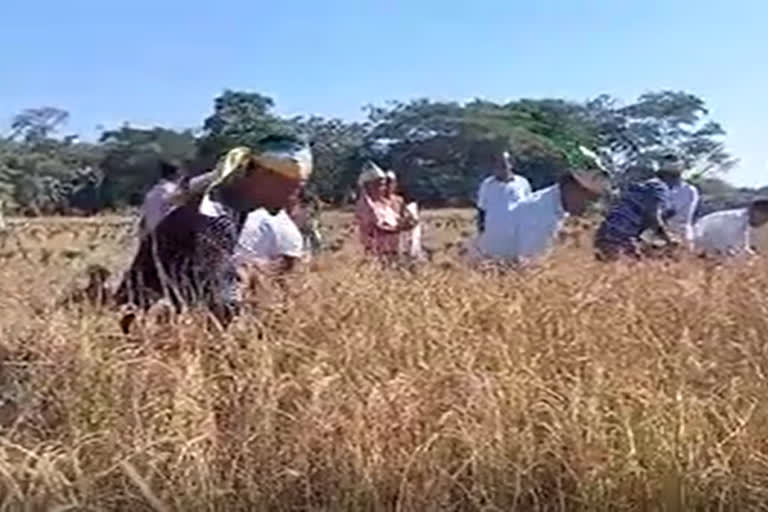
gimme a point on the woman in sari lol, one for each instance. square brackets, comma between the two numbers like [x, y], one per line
[410, 240]
[379, 222]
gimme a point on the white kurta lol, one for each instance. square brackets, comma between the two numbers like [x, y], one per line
[684, 199]
[726, 231]
[497, 199]
[266, 237]
[495, 195]
[530, 228]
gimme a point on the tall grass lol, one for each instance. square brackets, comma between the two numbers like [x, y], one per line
[569, 386]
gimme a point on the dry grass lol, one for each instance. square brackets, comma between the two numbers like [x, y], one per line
[573, 386]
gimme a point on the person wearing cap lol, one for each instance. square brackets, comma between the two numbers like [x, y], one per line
[683, 199]
[641, 207]
[500, 192]
[729, 232]
[189, 257]
[379, 223]
[533, 225]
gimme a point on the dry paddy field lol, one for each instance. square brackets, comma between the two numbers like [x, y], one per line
[569, 386]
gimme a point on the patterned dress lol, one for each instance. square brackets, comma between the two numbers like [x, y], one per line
[189, 259]
[633, 213]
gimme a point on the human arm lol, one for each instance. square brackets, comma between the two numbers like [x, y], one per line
[659, 226]
[192, 186]
[692, 205]
[526, 189]
[657, 205]
[481, 207]
[480, 220]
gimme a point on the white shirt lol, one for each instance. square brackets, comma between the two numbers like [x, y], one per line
[157, 204]
[497, 199]
[530, 227]
[723, 231]
[684, 199]
[267, 237]
[497, 196]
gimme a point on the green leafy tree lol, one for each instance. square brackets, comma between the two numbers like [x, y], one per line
[132, 156]
[336, 150]
[443, 150]
[238, 118]
[635, 135]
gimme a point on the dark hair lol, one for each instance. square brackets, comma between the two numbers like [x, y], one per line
[168, 169]
[670, 158]
[566, 179]
[760, 203]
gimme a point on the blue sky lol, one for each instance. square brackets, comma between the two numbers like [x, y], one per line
[162, 62]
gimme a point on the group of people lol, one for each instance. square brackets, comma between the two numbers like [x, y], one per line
[201, 236]
[517, 224]
[281, 240]
[388, 226]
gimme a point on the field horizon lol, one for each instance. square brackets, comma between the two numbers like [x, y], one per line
[570, 385]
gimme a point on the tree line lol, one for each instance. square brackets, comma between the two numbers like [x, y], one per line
[440, 150]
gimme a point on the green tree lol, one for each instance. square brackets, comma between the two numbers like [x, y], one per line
[132, 157]
[39, 173]
[34, 125]
[443, 150]
[336, 150]
[238, 118]
[635, 135]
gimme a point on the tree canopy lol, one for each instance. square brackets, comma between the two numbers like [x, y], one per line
[440, 150]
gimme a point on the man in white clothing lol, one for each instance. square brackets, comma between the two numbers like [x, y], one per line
[532, 226]
[270, 242]
[728, 232]
[683, 199]
[498, 195]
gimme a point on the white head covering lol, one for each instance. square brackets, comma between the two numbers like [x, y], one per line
[391, 175]
[371, 172]
[288, 158]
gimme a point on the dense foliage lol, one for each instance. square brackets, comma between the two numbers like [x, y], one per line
[441, 150]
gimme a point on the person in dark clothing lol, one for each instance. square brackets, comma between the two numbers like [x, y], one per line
[188, 258]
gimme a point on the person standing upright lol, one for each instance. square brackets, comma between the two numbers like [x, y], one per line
[190, 257]
[379, 223]
[683, 199]
[497, 197]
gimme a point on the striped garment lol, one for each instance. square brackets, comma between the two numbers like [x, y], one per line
[632, 214]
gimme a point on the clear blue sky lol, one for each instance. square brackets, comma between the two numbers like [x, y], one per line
[163, 61]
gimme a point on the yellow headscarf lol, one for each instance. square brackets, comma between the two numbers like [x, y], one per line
[287, 158]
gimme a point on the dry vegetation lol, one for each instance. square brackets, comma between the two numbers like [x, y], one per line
[571, 386]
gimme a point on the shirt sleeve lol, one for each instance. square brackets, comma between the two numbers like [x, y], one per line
[288, 239]
[481, 195]
[527, 190]
[692, 205]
